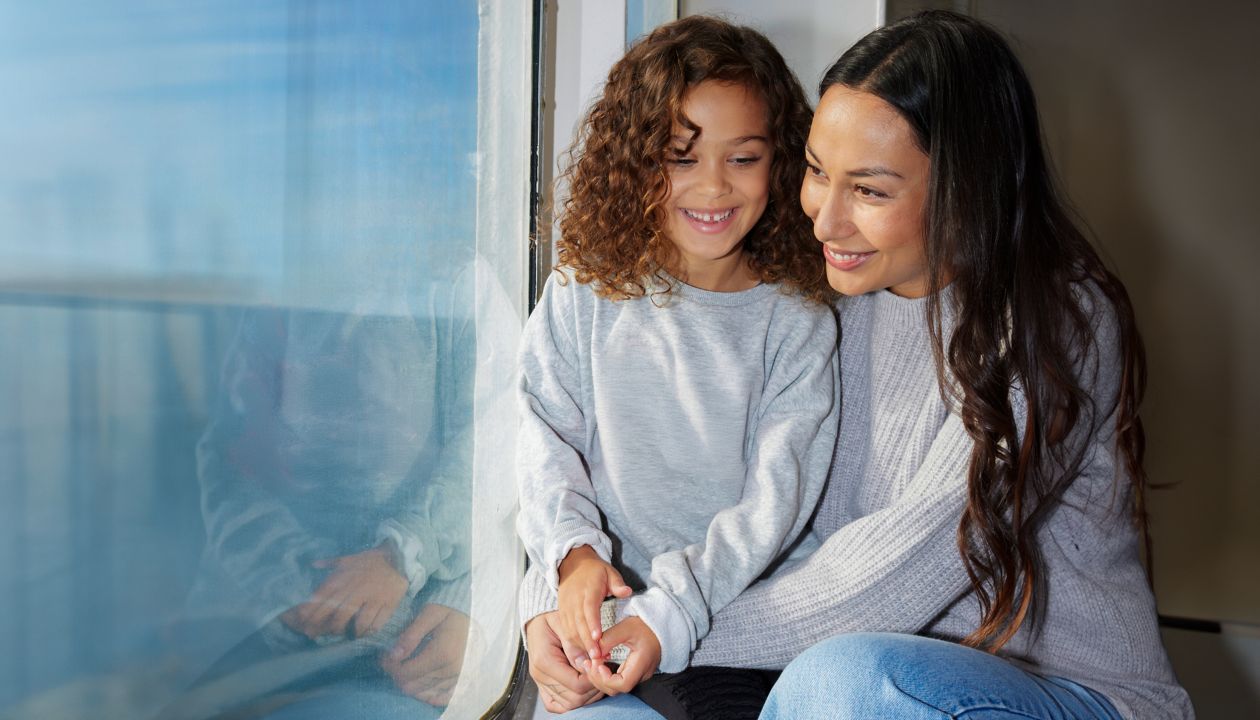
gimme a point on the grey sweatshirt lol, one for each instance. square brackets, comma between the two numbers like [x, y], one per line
[686, 441]
[888, 519]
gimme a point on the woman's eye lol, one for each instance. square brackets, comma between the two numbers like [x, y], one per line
[682, 161]
[814, 170]
[747, 160]
[869, 192]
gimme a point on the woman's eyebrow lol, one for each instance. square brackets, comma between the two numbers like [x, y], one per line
[875, 172]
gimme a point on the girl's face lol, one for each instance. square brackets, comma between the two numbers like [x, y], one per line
[720, 187]
[866, 190]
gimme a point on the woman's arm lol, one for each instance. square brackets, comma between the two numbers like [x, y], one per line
[893, 570]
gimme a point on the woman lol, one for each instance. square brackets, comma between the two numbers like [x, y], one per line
[983, 523]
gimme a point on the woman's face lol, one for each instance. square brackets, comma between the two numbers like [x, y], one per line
[720, 187]
[866, 190]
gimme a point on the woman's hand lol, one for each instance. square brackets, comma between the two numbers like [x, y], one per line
[439, 633]
[560, 686]
[585, 580]
[645, 656]
[363, 588]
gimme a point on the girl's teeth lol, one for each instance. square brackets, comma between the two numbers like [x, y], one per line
[709, 217]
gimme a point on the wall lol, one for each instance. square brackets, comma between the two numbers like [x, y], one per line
[811, 34]
[1151, 112]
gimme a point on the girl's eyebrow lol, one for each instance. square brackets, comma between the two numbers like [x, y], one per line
[737, 141]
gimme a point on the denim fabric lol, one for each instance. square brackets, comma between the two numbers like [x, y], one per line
[621, 707]
[873, 676]
[357, 701]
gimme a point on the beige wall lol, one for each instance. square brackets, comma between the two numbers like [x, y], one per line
[1152, 111]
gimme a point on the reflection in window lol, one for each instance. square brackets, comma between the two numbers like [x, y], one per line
[254, 339]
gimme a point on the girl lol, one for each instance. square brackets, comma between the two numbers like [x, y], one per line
[984, 523]
[677, 376]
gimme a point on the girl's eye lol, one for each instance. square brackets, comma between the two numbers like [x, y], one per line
[748, 160]
[869, 192]
[682, 160]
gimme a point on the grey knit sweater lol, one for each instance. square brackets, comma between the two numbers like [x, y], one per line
[686, 441]
[888, 519]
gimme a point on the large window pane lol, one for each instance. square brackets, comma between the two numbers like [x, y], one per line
[256, 304]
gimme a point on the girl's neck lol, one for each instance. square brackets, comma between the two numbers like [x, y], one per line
[728, 274]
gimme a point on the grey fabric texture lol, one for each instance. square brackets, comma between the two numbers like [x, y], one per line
[887, 524]
[685, 438]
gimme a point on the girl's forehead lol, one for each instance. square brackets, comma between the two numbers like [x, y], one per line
[725, 110]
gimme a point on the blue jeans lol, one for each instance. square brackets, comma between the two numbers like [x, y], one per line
[621, 707]
[354, 700]
[884, 675]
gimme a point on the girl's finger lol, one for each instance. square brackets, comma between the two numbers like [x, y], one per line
[370, 620]
[617, 586]
[601, 678]
[594, 629]
[630, 674]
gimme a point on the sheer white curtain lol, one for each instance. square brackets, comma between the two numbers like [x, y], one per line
[503, 142]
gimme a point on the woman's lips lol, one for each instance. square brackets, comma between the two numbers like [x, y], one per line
[842, 260]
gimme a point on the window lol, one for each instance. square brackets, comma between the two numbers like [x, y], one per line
[262, 271]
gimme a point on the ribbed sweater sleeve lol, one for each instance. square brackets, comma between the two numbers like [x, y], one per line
[893, 570]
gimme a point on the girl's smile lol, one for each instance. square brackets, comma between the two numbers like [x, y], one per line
[709, 221]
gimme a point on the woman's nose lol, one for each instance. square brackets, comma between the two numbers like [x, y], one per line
[834, 218]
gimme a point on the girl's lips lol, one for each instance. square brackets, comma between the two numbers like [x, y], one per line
[709, 221]
[845, 260]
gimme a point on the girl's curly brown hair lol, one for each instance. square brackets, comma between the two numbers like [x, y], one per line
[612, 225]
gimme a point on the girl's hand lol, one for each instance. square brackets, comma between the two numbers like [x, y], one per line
[585, 580]
[645, 656]
[363, 588]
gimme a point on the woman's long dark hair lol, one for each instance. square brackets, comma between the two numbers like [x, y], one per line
[1020, 274]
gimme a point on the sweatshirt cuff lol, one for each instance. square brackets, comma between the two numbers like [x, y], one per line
[587, 535]
[665, 617]
[535, 597]
[408, 549]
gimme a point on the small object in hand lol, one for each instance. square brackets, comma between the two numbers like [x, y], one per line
[608, 618]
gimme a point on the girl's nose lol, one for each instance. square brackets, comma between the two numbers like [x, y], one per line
[714, 181]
